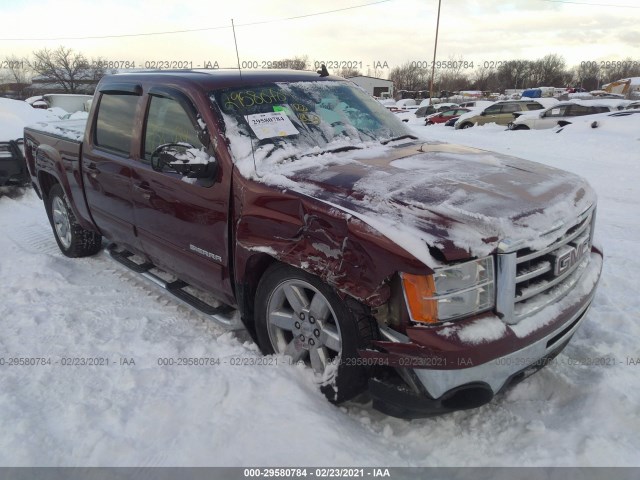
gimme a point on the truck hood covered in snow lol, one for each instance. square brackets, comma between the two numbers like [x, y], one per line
[460, 200]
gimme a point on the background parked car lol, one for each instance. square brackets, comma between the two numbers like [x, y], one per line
[501, 112]
[477, 103]
[623, 122]
[443, 117]
[549, 117]
[69, 102]
[426, 110]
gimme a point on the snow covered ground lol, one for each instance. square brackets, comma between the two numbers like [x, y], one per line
[135, 412]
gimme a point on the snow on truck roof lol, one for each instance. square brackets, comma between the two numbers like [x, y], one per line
[220, 78]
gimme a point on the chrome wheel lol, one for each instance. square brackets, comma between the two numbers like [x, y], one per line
[61, 223]
[302, 324]
[298, 315]
[73, 239]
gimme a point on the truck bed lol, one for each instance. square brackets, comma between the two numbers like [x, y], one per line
[52, 152]
[72, 130]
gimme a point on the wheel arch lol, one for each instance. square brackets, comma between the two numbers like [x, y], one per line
[46, 181]
[246, 286]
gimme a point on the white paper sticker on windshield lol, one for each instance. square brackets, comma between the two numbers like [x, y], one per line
[555, 111]
[272, 124]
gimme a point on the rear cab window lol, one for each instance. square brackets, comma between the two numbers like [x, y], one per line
[115, 122]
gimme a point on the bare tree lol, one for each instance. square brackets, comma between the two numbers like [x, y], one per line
[409, 77]
[295, 63]
[375, 72]
[451, 75]
[66, 68]
[549, 70]
[17, 68]
[16, 73]
[515, 74]
[587, 75]
[616, 70]
[485, 79]
[349, 72]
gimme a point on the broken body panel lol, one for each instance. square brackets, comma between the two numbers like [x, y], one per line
[357, 220]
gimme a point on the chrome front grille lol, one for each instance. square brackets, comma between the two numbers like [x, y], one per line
[530, 280]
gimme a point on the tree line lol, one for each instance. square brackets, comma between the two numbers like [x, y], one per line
[63, 67]
[550, 71]
[70, 71]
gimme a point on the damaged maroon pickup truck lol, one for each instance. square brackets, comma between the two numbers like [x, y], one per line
[431, 275]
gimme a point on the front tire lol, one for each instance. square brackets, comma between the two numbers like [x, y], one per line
[74, 241]
[467, 125]
[300, 316]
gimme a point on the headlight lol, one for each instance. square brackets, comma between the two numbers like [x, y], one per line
[451, 292]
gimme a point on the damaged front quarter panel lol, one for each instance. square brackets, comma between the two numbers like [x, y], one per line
[302, 232]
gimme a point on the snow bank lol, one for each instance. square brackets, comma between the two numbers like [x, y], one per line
[575, 412]
[15, 115]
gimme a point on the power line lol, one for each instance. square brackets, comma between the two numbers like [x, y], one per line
[196, 29]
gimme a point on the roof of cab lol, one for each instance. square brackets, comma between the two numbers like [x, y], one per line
[218, 78]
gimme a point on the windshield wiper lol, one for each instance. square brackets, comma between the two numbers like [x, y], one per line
[401, 137]
[345, 148]
[311, 154]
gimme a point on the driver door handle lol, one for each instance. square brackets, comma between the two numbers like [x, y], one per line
[144, 189]
[92, 170]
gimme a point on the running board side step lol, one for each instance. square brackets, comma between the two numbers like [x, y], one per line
[222, 314]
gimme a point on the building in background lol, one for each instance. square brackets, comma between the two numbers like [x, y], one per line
[377, 87]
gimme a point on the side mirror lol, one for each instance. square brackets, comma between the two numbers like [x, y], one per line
[184, 159]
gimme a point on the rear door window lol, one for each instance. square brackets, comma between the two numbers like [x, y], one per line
[578, 110]
[556, 112]
[493, 109]
[511, 107]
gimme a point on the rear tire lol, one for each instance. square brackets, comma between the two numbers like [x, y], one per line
[298, 315]
[74, 241]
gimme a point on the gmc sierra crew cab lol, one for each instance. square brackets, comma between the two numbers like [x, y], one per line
[431, 275]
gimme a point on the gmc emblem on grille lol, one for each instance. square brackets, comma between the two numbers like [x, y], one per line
[567, 256]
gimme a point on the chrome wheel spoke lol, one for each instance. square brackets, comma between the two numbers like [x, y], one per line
[297, 297]
[295, 351]
[330, 338]
[319, 359]
[60, 217]
[319, 308]
[282, 319]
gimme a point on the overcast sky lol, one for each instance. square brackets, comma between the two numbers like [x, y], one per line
[391, 31]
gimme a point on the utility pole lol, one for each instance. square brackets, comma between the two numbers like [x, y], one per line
[435, 48]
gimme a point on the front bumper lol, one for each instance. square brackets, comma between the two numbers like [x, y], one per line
[428, 391]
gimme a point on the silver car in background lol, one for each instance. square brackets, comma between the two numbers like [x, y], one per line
[549, 117]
